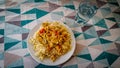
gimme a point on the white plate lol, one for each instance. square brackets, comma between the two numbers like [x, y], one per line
[58, 61]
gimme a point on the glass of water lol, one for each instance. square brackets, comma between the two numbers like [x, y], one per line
[85, 11]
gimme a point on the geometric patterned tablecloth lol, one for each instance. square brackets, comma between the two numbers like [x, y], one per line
[97, 45]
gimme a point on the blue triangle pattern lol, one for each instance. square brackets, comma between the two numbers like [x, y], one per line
[2, 18]
[8, 40]
[96, 42]
[40, 13]
[28, 54]
[71, 66]
[32, 11]
[110, 57]
[104, 41]
[9, 45]
[14, 10]
[85, 56]
[1, 31]
[70, 6]
[106, 34]
[81, 60]
[101, 23]
[76, 33]
[13, 29]
[101, 56]
[39, 0]
[87, 36]
[24, 22]
[111, 19]
[91, 31]
[24, 44]
[30, 1]
[16, 46]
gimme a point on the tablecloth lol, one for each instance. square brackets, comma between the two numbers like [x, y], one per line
[97, 45]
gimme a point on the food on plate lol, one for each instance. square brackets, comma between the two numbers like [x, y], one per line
[51, 40]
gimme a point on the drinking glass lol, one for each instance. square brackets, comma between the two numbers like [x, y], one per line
[85, 11]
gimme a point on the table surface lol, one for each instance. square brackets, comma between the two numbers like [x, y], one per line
[97, 45]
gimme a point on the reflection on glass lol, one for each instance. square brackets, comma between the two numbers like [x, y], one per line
[85, 11]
